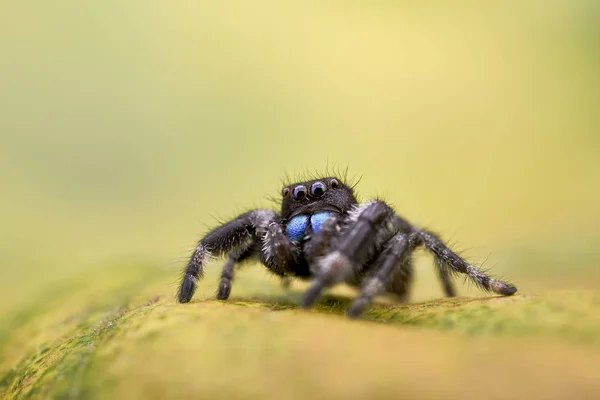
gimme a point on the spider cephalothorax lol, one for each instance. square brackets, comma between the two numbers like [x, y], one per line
[307, 205]
[324, 234]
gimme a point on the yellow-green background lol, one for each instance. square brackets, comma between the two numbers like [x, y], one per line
[128, 128]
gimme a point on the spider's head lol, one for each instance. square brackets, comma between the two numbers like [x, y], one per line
[326, 194]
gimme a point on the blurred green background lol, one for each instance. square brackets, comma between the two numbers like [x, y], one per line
[128, 128]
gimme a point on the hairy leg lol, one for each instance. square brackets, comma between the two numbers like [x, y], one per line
[241, 254]
[392, 257]
[451, 262]
[221, 240]
[446, 278]
[401, 279]
[277, 252]
[286, 282]
[321, 242]
[365, 230]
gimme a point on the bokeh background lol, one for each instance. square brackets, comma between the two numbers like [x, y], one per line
[128, 128]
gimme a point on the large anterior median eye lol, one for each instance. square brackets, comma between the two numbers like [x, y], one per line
[299, 192]
[317, 189]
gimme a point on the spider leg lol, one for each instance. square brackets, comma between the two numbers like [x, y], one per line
[278, 253]
[322, 241]
[392, 257]
[446, 278]
[393, 273]
[369, 226]
[286, 282]
[401, 277]
[221, 240]
[241, 254]
[450, 262]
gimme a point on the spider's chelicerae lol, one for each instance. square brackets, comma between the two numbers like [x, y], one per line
[323, 234]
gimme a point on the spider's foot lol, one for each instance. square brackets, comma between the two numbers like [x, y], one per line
[224, 289]
[286, 282]
[188, 287]
[331, 269]
[358, 307]
[310, 297]
[502, 288]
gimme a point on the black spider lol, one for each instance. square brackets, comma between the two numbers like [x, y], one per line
[324, 234]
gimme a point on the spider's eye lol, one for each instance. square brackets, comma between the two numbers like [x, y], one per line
[285, 192]
[334, 183]
[299, 192]
[317, 189]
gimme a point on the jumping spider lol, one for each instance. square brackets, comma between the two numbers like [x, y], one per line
[325, 235]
